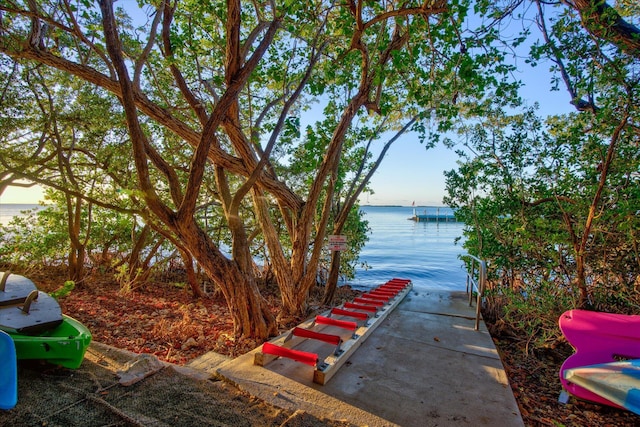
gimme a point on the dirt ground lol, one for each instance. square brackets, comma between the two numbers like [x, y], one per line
[165, 321]
[173, 396]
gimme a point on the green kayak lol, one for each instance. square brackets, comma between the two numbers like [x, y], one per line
[63, 345]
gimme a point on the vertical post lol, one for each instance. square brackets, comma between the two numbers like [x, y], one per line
[482, 278]
[467, 282]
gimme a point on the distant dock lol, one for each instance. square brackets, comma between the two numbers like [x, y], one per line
[432, 216]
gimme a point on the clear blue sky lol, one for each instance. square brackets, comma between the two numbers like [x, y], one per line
[410, 173]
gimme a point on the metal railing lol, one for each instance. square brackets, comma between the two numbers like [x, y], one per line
[476, 279]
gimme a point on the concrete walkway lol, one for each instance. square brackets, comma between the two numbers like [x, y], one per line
[425, 365]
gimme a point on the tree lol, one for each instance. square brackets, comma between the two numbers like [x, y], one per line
[222, 85]
[549, 203]
[610, 94]
[606, 23]
[57, 142]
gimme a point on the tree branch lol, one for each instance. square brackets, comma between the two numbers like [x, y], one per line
[604, 22]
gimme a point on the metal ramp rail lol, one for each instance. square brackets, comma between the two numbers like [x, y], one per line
[476, 279]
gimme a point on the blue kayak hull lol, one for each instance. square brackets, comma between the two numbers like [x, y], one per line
[9, 377]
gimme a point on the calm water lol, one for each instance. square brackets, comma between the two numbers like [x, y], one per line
[421, 251]
[9, 210]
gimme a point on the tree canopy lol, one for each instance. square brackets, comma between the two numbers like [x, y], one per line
[210, 97]
[552, 202]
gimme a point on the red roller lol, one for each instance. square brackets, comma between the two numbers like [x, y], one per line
[396, 280]
[390, 291]
[382, 298]
[321, 320]
[394, 285]
[391, 288]
[297, 355]
[348, 313]
[383, 293]
[368, 301]
[360, 307]
[308, 333]
[387, 288]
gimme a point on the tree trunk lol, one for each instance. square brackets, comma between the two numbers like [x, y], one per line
[192, 278]
[248, 310]
[139, 243]
[76, 260]
[332, 282]
[77, 251]
[581, 279]
[250, 313]
[279, 264]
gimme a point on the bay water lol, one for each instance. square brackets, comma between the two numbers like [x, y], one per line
[9, 210]
[424, 252]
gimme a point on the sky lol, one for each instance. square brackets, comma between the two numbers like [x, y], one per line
[410, 173]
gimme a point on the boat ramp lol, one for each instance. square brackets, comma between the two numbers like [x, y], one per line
[425, 365]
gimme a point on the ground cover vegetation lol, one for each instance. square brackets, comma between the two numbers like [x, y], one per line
[226, 141]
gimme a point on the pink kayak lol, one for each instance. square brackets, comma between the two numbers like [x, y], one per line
[598, 338]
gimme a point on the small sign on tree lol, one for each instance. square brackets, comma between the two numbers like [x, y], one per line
[337, 242]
